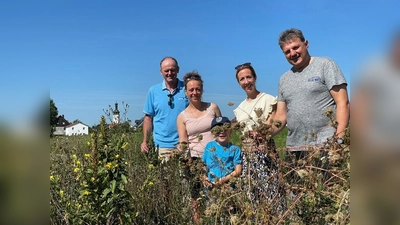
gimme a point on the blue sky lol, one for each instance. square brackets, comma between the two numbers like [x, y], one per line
[90, 54]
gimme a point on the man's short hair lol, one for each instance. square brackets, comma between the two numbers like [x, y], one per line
[169, 57]
[289, 34]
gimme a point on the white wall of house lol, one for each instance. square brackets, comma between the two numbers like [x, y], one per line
[59, 131]
[77, 129]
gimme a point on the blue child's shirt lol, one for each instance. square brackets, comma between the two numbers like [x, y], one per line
[219, 160]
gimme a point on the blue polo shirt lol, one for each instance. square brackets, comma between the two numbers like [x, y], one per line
[165, 132]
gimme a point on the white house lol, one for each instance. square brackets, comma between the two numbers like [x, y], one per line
[77, 128]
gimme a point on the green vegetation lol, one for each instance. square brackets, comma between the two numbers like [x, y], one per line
[104, 178]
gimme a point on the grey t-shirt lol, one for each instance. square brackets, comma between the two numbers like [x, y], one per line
[307, 97]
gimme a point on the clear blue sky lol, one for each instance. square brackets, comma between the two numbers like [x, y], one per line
[89, 54]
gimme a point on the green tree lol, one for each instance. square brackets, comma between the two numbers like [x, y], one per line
[53, 115]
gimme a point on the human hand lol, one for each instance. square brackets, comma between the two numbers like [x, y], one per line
[144, 147]
[207, 183]
[255, 135]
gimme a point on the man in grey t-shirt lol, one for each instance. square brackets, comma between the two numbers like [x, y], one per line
[312, 86]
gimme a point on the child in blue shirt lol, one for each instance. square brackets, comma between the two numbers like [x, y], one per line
[221, 158]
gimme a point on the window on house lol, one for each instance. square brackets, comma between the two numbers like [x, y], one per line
[72, 129]
[83, 128]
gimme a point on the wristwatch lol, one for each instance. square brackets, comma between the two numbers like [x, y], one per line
[339, 141]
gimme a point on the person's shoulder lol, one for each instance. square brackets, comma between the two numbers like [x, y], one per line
[209, 145]
[323, 59]
[286, 74]
[268, 96]
[212, 105]
[235, 147]
[155, 86]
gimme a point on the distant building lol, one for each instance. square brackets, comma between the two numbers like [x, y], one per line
[116, 114]
[77, 128]
[60, 126]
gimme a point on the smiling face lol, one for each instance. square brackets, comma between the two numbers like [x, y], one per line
[223, 137]
[194, 90]
[169, 70]
[246, 80]
[296, 53]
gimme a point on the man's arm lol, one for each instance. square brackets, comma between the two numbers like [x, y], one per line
[147, 128]
[279, 115]
[339, 94]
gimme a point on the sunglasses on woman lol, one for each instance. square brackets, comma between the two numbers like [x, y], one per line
[242, 65]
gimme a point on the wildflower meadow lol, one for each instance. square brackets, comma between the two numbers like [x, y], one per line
[104, 178]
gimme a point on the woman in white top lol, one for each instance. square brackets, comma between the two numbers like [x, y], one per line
[258, 147]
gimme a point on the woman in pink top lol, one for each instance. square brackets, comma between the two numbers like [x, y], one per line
[194, 128]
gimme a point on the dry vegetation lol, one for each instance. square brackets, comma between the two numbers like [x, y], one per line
[103, 178]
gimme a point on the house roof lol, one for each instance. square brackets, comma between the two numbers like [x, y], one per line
[73, 124]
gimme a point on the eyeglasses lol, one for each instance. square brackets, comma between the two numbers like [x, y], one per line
[242, 65]
[170, 96]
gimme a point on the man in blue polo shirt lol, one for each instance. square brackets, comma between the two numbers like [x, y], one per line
[163, 104]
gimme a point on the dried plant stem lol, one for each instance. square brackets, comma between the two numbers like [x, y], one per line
[290, 208]
[317, 168]
[341, 202]
[222, 204]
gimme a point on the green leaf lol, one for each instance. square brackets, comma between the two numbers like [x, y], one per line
[113, 184]
[105, 192]
[121, 186]
[124, 180]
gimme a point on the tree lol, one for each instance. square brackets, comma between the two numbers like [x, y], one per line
[53, 113]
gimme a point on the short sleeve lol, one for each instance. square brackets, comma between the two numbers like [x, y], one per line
[149, 104]
[332, 74]
[238, 158]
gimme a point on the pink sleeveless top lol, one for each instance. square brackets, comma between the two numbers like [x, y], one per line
[199, 131]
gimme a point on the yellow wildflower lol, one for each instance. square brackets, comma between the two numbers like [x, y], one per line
[51, 178]
[87, 156]
[126, 163]
[61, 192]
[89, 144]
[151, 183]
[117, 156]
[108, 165]
[92, 179]
[78, 162]
[151, 166]
[126, 144]
[76, 170]
[92, 135]
[74, 156]
[86, 192]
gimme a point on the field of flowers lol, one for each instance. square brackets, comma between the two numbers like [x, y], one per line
[103, 178]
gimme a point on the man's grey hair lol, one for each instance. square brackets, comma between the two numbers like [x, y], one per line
[289, 34]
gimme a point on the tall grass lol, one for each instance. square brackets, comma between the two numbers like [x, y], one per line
[314, 190]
